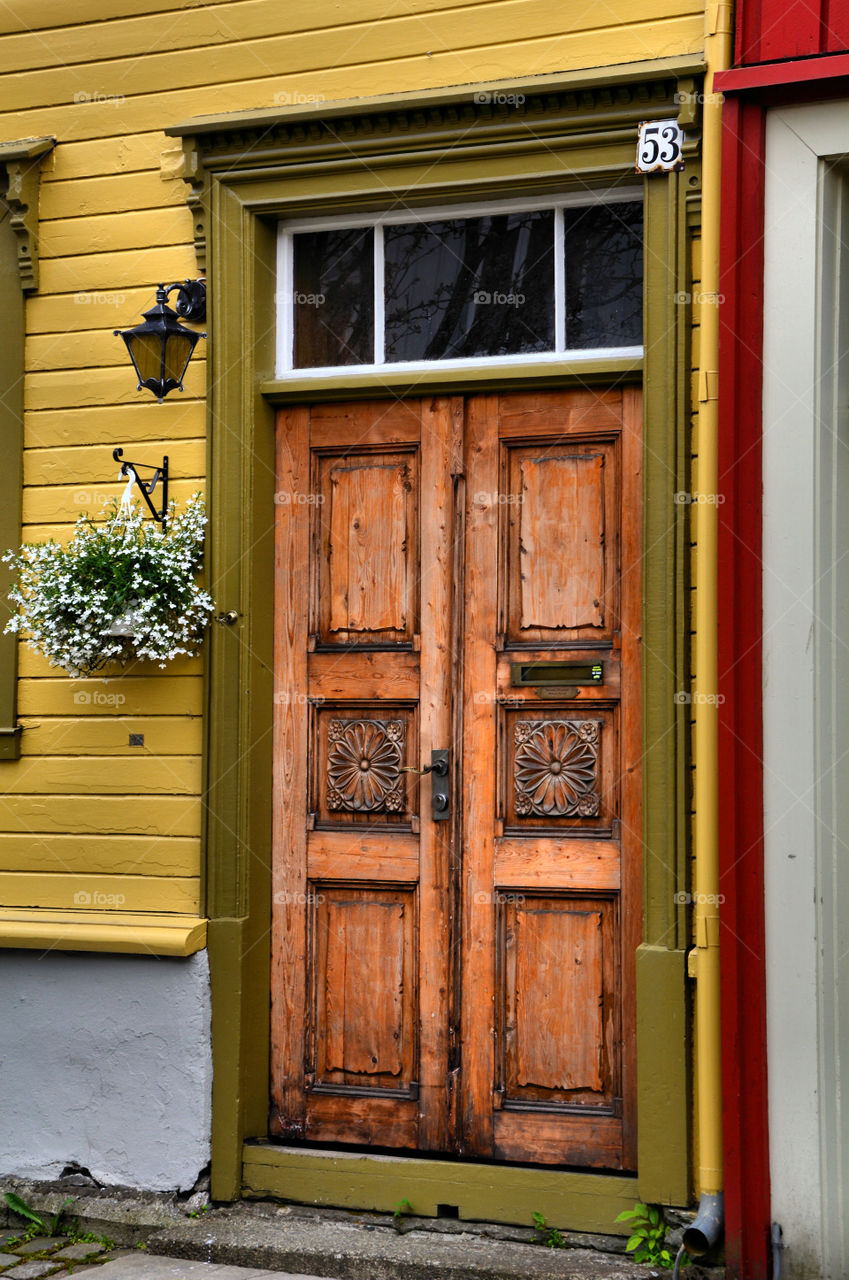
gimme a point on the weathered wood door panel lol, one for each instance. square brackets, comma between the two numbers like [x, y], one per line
[466, 985]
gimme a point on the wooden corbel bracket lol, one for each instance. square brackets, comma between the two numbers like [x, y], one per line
[22, 164]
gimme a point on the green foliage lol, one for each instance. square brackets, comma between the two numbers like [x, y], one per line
[89, 1237]
[37, 1225]
[196, 1213]
[549, 1236]
[648, 1235]
[402, 1207]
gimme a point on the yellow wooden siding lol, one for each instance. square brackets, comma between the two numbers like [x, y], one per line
[106, 735]
[119, 695]
[89, 463]
[93, 814]
[101, 855]
[248, 41]
[82, 811]
[264, 24]
[183, 419]
[64, 892]
[44, 506]
[109, 194]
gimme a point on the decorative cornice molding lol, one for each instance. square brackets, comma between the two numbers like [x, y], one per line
[252, 142]
[22, 163]
[580, 82]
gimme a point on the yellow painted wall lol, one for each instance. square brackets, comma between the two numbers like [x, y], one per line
[81, 812]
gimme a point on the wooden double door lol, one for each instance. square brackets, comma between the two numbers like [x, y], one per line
[453, 951]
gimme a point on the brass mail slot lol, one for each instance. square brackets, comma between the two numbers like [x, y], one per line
[556, 673]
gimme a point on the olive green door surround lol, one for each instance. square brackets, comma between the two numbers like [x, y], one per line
[245, 172]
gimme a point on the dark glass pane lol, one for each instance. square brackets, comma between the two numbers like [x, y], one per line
[333, 302]
[604, 276]
[470, 287]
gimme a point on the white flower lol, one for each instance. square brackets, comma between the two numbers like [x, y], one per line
[69, 597]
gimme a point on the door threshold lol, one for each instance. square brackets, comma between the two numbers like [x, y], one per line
[478, 1192]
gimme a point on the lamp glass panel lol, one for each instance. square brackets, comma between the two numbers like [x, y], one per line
[147, 353]
[177, 351]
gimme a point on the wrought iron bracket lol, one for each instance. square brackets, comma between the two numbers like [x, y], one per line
[147, 487]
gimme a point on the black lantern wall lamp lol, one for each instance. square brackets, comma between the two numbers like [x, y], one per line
[161, 348]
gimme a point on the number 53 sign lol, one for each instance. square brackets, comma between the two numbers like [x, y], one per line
[660, 146]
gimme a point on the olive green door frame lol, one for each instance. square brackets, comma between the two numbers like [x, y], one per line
[245, 172]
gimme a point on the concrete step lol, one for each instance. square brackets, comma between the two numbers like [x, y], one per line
[351, 1246]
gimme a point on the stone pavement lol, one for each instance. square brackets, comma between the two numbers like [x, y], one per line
[140, 1266]
[57, 1257]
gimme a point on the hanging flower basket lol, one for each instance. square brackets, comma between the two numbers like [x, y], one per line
[118, 591]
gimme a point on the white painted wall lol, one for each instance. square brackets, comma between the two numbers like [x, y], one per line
[801, 1071]
[105, 1060]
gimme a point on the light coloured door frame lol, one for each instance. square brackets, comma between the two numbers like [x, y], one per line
[806, 674]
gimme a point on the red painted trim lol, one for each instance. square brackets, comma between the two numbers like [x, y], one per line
[835, 25]
[767, 30]
[743, 973]
[830, 66]
[747, 31]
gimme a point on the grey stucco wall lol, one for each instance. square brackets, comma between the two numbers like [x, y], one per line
[105, 1061]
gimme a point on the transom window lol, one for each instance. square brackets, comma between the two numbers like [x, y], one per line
[463, 286]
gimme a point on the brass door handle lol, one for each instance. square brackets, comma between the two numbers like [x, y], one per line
[439, 767]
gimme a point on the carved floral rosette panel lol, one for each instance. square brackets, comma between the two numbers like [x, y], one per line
[556, 768]
[364, 760]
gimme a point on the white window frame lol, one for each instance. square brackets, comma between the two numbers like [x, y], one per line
[289, 228]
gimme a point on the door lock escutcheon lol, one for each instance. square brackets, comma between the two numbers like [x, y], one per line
[440, 801]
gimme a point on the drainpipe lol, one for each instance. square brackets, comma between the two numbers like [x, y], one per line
[708, 1224]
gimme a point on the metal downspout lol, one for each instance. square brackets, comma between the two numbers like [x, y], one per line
[708, 1225]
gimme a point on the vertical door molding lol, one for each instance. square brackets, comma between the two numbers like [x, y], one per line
[831, 674]
[663, 1104]
[804, 627]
